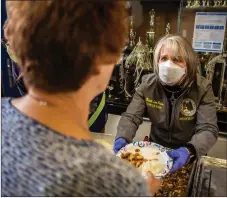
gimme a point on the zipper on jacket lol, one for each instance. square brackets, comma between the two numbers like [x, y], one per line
[173, 114]
[167, 114]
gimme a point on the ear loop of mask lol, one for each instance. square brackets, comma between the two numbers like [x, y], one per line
[11, 54]
[17, 77]
[14, 60]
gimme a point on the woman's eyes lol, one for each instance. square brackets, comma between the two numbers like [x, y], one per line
[177, 60]
[164, 58]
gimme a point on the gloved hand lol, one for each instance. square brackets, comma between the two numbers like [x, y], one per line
[180, 157]
[119, 143]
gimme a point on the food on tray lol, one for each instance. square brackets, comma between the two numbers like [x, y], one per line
[175, 184]
[153, 165]
[135, 159]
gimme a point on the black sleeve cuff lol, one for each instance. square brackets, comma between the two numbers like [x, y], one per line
[192, 151]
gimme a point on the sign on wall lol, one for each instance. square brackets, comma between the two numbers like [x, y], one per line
[209, 31]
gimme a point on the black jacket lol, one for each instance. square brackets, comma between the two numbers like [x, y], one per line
[193, 121]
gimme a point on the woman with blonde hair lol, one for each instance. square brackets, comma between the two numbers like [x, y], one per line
[66, 51]
[179, 102]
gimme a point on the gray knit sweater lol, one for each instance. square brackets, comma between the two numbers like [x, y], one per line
[37, 161]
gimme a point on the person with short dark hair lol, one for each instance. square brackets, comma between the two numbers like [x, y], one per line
[98, 111]
[66, 51]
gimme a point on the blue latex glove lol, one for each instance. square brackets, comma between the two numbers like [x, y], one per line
[119, 143]
[180, 157]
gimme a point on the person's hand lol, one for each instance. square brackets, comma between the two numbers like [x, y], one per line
[119, 143]
[153, 183]
[180, 157]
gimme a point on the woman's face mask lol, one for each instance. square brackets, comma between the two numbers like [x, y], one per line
[172, 67]
[171, 73]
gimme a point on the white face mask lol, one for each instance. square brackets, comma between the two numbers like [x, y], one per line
[170, 73]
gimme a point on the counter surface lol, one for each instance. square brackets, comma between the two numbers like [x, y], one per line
[107, 140]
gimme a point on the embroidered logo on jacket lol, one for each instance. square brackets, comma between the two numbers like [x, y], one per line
[154, 103]
[188, 107]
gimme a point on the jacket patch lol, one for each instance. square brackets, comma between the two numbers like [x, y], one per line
[154, 103]
[188, 107]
